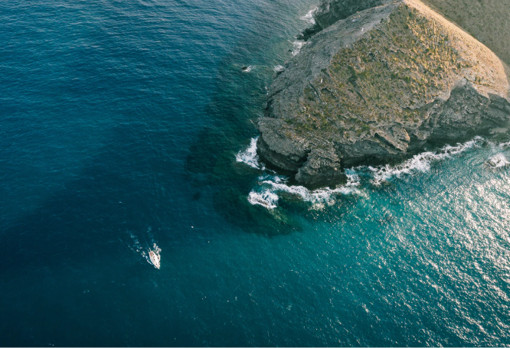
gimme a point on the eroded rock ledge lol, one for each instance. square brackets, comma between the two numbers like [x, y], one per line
[377, 86]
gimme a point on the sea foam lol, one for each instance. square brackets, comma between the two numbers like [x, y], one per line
[298, 45]
[418, 163]
[309, 17]
[278, 69]
[498, 161]
[266, 198]
[249, 156]
[269, 186]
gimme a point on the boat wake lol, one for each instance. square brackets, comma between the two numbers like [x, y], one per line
[148, 248]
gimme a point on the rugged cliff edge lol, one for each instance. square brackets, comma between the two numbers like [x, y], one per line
[377, 86]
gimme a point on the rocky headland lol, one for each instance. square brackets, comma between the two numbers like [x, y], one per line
[378, 81]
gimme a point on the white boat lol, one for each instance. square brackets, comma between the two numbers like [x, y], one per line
[155, 259]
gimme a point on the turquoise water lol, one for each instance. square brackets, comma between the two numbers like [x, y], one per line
[120, 126]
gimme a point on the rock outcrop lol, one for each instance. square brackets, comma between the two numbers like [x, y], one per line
[330, 12]
[377, 86]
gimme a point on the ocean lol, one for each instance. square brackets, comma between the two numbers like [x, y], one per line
[129, 126]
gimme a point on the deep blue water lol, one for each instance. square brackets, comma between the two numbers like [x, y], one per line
[120, 122]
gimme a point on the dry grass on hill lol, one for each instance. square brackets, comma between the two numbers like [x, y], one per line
[486, 20]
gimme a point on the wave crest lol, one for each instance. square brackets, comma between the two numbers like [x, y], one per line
[498, 161]
[267, 199]
[298, 45]
[419, 163]
[278, 68]
[249, 156]
[310, 16]
[266, 194]
[271, 186]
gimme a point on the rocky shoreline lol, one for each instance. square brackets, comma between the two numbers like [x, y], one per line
[378, 81]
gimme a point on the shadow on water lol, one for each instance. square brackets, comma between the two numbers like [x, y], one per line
[116, 191]
[211, 163]
[238, 101]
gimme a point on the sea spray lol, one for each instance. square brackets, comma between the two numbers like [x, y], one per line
[249, 156]
[278, 69]
[498, 161]
[266, 198]
[298, 45]
[270, 185]
[418, 163]
[310, 16]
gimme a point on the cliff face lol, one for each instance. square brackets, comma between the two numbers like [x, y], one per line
[378, 85]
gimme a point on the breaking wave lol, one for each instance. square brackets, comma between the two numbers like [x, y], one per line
[504, 145]
[498, 161]
[298, 45]
[249, 156]
[270, 187]
[278, 68]
[323, 195]
[267, 199]
[309, 17]
[419, 163]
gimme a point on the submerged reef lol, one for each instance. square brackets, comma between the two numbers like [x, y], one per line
[378, 81]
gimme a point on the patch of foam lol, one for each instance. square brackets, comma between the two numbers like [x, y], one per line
[278, 68]
[419, 163]
[267, 199]
[498, 161]
[504, 145]
[249, 156]
[298, 45]
[269, 186]
[353, 178]
[319, 198]
[310, 16]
